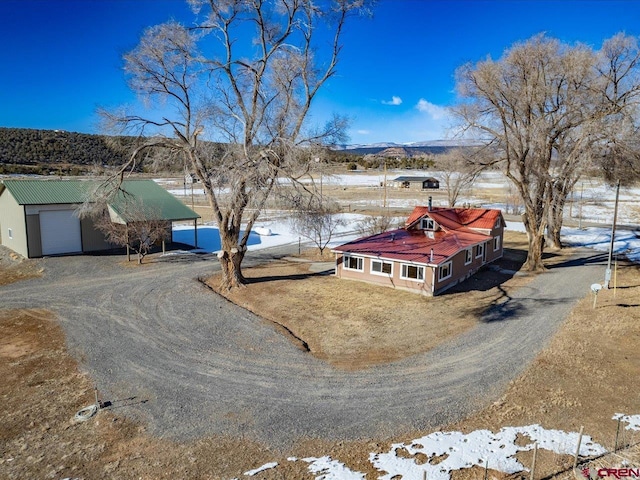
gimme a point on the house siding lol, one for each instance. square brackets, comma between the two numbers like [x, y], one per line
[13, 218]
[393, 281]
[459, 271]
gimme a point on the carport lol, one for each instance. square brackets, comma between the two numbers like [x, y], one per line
[39, 217]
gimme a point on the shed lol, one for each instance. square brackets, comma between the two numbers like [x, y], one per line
[39, 217]
[417, 183]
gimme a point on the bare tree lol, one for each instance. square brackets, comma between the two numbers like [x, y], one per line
[130, 224]
[318, 221]
[544, 106]
[245, 75]
[375, 224]
[459, 168]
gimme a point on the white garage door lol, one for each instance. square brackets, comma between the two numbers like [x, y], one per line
[60, 232]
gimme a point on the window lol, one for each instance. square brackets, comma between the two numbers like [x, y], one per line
[468, 256]
[412, 272]
[379, 267]
[479, 250]
[10, 234]
[496, 243]
[353, 263]
[444, 271]
[428, 224]
[497, 225]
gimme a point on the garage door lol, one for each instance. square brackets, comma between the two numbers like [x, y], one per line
[60, 232]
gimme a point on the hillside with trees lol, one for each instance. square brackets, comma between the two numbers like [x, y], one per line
[25, 150]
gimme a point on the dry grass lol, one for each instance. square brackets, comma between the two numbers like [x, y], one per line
[356, 325]
[588, 373]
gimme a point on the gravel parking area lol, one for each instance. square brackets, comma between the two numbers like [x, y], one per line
[167, 351]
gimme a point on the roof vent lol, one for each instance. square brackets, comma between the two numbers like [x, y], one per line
[393, 237]
[431, 256]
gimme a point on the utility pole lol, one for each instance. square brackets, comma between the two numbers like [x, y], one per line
[384, 198]
[607, 274]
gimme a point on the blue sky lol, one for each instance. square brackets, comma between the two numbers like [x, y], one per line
[61, 59]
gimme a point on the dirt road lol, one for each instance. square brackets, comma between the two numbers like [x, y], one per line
[166, 350]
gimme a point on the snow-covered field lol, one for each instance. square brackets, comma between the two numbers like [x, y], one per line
[457, 451]
[281, 233]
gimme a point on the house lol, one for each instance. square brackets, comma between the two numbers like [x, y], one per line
[436, 249]
[416, 183]
[38, 217]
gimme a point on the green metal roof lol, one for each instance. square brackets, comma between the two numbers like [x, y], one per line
[43, 192]
[156, 200]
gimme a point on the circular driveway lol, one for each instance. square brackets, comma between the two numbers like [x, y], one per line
[167, 351]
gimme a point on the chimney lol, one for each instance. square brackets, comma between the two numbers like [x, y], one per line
[430, 202]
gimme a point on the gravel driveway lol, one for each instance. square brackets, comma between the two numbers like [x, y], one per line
[167, 351]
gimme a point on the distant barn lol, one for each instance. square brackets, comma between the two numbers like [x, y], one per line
[416, 183]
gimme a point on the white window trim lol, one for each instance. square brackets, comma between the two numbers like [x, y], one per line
[423, 222]
[10, 234]
[470, 252]
[402, 277]
[382, 274]
[440, 277]
[346, 267]
[480, 253]
[497, 237]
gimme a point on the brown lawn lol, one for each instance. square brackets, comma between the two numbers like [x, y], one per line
[355, 325]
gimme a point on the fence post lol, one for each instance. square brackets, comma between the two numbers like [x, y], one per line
[533, 462]
[575, 459]
[615, 445]
[486, 467]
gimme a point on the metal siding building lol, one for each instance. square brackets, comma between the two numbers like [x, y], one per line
[38, 217]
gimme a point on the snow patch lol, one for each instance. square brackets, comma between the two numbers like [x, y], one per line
[476, 449]
[632, 421]
[329, 469]
[266, 466]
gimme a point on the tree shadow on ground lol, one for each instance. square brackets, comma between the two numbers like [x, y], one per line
[291, 276]
[493, 274]
[596, 258]
[501, 309]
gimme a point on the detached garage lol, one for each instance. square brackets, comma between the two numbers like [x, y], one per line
[38, 217]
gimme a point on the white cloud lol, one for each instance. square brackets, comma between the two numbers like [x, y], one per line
[363, 132]
[435, 111]
[394, 101]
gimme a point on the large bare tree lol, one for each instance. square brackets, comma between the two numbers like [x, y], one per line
[459, 168]
[545, 107]
[243, 77]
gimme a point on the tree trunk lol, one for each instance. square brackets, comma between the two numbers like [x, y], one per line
[534, 255]
[536, 243]
[556, 213]
[231, 263]
[231, 257]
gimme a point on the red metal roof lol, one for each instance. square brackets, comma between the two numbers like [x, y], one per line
[415, 245]
[454, 218]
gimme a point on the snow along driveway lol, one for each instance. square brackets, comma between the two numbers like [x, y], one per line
[191, 364]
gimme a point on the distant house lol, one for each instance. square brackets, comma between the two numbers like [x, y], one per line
[416, 183]
[38, 217]
[437, 248]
